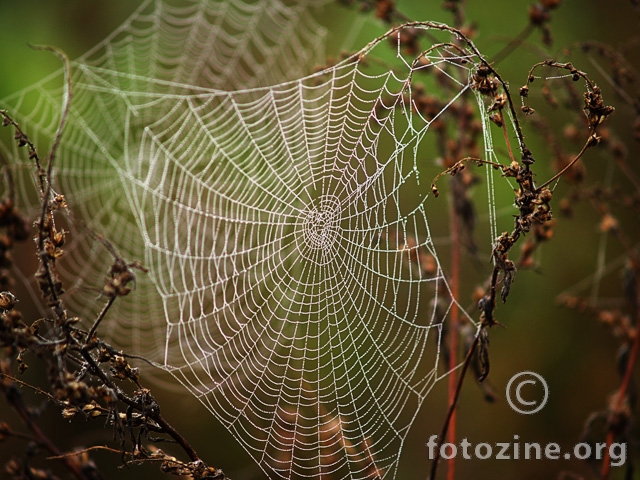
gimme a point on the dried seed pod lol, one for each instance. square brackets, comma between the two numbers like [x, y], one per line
[7, 301]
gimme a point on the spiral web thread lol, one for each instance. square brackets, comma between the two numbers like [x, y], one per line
[294, 284]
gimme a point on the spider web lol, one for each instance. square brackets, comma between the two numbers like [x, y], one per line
[294, 285]
[214, 45]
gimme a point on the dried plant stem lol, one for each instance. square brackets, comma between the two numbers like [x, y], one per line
[66, 105]
[46, 223]
[68, 345]
[13, 396]
[75, 453]
[589, 143]
[173, 433]
[453, 336]
[621, 395]
[466, 41]
[506, 140]
[453, 404]
[513, 44]
[155, 416]
[101, 315]
[628, 173]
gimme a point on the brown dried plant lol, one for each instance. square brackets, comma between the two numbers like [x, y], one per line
[86, 377]
[535, 222]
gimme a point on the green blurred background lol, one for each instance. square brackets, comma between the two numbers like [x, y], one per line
[575, 354]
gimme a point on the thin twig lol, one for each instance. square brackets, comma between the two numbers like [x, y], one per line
[621, 395]
[66, 105]
[99, 319]
[155, 416]
[461, 36]
[513, 44]
[46, 216]
[173, 433]
[14, 398]
[588, 143]
[27, 385]
[76, 453]
[453, 404]
[506, 140]
[453, 332]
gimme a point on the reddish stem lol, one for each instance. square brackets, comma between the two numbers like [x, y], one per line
[622, 393]
[506, 140]
[453, 335]
[452, 405]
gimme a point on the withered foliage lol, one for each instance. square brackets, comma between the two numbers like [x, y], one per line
[86, 377]
[534, 222]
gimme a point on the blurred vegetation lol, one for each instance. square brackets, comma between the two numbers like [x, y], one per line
[574, 352]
